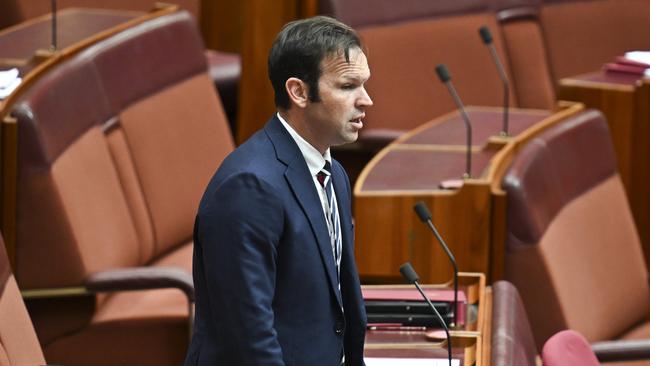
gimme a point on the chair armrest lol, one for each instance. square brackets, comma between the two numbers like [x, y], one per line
[141, 278]
[622, 350]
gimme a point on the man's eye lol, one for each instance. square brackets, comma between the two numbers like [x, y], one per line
[348, 86]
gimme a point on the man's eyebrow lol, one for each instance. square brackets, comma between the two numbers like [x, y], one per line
[355, 77]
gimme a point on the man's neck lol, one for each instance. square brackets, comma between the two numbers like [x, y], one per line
[297, 122]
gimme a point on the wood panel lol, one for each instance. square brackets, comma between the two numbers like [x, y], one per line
[625, 101]
[263, 20]
[222, 25]
[640, 165]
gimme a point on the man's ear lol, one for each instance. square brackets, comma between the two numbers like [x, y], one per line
[298, 92]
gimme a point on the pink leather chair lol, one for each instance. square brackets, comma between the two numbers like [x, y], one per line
[512, 338]
[18, 343]
[568, 347]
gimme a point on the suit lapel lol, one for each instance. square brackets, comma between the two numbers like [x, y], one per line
[302, 185]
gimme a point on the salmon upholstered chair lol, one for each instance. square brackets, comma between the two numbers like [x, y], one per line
[572, 248]
[512, 338]
[18, 343]
[115, 147]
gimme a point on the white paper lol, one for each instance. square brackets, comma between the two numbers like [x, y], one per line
[409, 362]
[638, 56]
[4, 92]
[8, 77]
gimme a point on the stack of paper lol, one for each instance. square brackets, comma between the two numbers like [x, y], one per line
[635, 62]
[9, 81]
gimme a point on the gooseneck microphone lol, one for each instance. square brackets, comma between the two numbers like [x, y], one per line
[54, 44]
[412, 277]
[443, 75]
[486, 36]
[425, 216]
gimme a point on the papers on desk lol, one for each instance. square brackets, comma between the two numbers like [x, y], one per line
[410, 362]
[642, 57]
[634, 62]
[9, 81]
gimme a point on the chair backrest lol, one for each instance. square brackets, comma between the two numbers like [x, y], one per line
[115, 146]
[608, 27]
[362, 13]
[18, 342]
[527, 55]
[404, 87]
[512, 338]
[568, 347]
[572, 247]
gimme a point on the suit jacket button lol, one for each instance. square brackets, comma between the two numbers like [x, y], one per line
[339, 328]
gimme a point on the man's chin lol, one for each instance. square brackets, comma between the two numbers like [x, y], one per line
[348, 139]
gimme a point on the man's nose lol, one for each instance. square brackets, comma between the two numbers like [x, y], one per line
[364, 100]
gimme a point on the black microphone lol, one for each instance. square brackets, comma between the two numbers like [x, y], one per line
[423, 213]
[443, 75]
[409, 273]
[54, 45]
[486, 36]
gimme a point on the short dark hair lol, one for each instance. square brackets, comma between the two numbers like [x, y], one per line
[299, 49]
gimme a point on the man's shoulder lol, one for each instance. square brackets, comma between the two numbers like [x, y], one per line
[255, 157]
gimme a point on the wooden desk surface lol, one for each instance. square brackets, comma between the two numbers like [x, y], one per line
[469, 345]
[436, 151]
[18, 43]
[604, 80]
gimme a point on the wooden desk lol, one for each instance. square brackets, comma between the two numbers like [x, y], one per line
[625, 101]
[471, 219]
[470, 345]
[20, 43]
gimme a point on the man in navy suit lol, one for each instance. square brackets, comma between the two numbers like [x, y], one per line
[274, 271]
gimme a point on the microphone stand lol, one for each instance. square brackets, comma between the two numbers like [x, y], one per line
[54, 45]
[425, 216]
[486, 36]
[411, 276]
[443, 75]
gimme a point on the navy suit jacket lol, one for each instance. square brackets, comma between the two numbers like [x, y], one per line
[266, 284]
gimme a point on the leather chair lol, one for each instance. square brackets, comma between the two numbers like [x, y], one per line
[572, 248]
[512, 338]
[115, 147]
[581, 36]
[362, 13]
[568, 347]
[18, 343]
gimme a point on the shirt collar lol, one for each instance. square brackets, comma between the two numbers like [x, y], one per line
[315, 161]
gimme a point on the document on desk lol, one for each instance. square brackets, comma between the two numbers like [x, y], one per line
[9, 81]
[371, 361]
